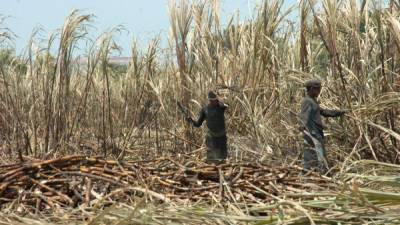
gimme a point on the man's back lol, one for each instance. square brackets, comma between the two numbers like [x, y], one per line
[215, 116]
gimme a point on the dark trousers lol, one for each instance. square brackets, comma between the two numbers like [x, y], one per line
[216, 148]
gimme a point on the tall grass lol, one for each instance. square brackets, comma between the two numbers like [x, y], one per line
[52, 104]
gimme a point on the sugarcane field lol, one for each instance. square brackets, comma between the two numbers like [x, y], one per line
[288, 115]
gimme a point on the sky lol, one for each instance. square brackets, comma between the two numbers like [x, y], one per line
[142, 19]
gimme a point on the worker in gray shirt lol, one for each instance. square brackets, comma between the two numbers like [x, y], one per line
[314, 155]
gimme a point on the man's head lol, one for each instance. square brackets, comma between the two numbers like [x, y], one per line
[313, 87]
[213, 98]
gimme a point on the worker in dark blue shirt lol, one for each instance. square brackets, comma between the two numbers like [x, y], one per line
[216, 140]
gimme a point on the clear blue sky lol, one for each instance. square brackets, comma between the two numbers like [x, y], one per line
[143, 19]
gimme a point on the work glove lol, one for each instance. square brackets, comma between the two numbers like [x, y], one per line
[302, 128]
[189, 119]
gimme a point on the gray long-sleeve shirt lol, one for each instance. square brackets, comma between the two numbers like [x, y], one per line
[310, 117]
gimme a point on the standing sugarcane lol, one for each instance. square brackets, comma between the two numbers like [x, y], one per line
[216, 139]
[314, 155]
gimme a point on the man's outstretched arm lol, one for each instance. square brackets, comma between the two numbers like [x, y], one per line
[331, 113]
[199, 122]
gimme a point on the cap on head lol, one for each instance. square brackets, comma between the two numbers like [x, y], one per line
[212, 96]
[312, 83]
